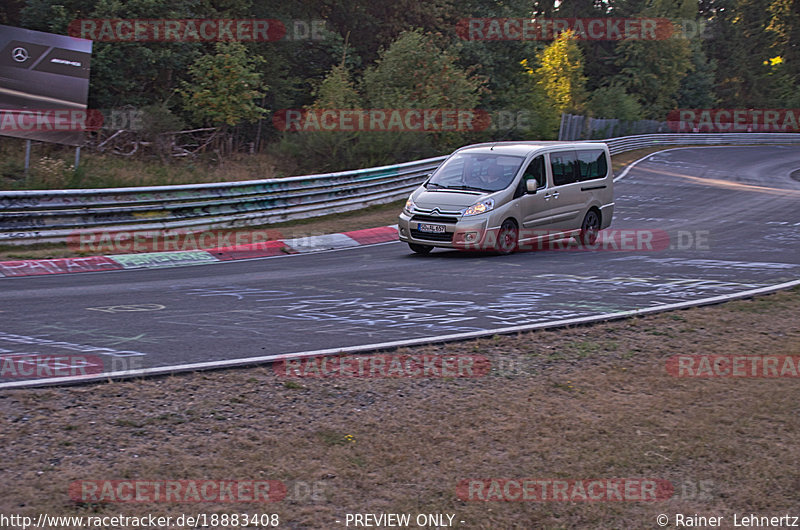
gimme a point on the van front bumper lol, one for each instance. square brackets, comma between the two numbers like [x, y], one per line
[423, 229]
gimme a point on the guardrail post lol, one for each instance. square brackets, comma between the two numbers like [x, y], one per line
[27, 156]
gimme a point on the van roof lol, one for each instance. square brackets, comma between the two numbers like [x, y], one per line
[522, 148]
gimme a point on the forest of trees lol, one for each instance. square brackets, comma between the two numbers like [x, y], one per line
[409, 55]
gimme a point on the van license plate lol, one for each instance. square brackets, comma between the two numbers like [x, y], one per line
[434, 229]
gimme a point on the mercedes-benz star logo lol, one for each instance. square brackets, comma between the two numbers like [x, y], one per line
[20, 54]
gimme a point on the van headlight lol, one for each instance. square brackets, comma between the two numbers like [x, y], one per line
[409, 207]
[479, 208]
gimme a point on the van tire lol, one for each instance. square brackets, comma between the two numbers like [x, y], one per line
[507, 237]
[589, 228]
[420, 249]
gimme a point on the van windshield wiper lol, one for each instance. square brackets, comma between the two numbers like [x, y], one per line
[469, 188]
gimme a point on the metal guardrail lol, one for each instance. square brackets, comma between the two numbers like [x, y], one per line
[50, 216]
[629, 143]
[47, 216]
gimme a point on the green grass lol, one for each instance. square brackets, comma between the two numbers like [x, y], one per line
[330, 437]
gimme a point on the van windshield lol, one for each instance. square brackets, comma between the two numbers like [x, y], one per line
[478, 172]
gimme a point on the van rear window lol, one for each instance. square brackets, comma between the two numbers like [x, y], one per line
[563, 164]
[592, 164]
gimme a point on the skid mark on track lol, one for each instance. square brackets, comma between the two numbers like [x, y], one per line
[719, 183]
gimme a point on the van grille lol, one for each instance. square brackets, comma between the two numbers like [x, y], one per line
[434, 219]
[447, 236]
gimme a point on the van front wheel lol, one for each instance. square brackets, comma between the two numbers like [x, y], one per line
[589, 228]
[507, 237]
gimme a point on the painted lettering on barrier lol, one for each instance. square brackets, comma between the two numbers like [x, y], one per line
[163, 259]
[57, 266]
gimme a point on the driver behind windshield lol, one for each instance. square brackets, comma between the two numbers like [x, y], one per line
[479, 172]
[491, 179]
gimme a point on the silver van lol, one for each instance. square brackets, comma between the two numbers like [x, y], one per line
[506, 196]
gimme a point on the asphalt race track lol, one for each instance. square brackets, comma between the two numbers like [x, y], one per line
[721, 220]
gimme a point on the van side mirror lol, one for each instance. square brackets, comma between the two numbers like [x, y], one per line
[531, 185]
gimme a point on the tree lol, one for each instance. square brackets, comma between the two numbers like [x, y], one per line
[614, 102]
[498, 61]
[224, 86]
[739, 46]
[560, 74]
[376, 25]
[652, 71]
[784, 26]
[10, 12]
[556, 84]
[322, 150]
[416, 73]
[42, 15]
[337, 90]
[696, 90]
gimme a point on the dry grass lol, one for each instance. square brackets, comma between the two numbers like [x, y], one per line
[586, 402]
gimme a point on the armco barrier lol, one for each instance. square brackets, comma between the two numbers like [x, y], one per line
[50, 216]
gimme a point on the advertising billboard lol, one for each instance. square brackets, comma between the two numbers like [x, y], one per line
[44, 83]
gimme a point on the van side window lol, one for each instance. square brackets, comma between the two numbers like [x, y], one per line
[592, 164]
[535, 170]
[564, 168]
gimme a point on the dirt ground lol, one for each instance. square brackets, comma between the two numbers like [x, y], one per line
[571, 404]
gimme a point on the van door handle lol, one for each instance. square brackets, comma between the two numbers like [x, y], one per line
[554, 195]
